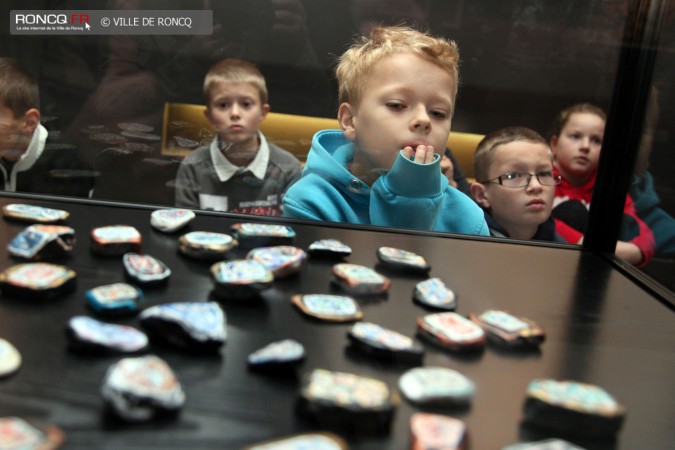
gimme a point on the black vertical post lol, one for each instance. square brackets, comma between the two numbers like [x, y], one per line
[623, 131]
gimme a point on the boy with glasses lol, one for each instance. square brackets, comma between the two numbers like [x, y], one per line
[516, 184]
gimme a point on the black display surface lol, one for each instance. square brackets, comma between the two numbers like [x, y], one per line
[601, 329]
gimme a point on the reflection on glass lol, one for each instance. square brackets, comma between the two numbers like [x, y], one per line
[397, 90]
[103, 98]
[645, 193]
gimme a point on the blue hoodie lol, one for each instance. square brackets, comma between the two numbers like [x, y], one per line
[410, 195]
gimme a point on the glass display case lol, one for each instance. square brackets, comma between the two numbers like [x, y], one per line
[125, 102]
[521, 63]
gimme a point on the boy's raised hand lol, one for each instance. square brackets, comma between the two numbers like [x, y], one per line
[424, 154]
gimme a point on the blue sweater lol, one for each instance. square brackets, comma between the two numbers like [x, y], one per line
[410, 195]
[659, 221]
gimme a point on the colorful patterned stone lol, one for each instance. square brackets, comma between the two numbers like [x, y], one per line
[546, 444]
[435, 294]
[304, 441]
[277, 356]
[170, 220]
[10, 359]
[398, 259]
[281, 260]
[434, 432]
[37, 280]
[18, 434]
[329, 248]
[572, 407]
[332, 308]
[142, 388]
[251, 235]
[508, 330]
[40, 242]
[452, 331]
[114, 299]
[145, 270]
[206, 245]
[357, 280]
[240, 279]
[115, 240]
[89, 335]
[437, 386]
[361, 403]
[384, 343]
[31, 213]
[199, 326]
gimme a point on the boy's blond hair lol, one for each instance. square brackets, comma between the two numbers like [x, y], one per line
[18, 91]
[564, 115]
[356, 64]
[232, 70]
[482, 159]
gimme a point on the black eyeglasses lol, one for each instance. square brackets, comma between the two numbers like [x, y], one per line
[519, 180]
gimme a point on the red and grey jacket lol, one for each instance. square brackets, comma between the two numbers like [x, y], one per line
[633, 229]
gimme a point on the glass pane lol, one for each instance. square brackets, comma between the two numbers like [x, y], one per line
[653, 188]
[131, 106]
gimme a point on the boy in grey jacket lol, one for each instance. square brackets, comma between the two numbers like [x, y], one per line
[240, 171]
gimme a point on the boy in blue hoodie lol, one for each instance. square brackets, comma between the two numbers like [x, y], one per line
[397, 91]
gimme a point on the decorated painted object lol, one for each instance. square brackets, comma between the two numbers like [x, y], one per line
[206, 245]
[240, 279]
[434, 293]
[142, 388]
[197, 326]
[332, 308]
[452, 331]
[37, 280]
[282, 260]
[356, 279]
[170, 220]
[31, 213]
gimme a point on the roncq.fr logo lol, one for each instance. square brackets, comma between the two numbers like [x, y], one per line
[52, 19]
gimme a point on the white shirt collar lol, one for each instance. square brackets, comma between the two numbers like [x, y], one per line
[34, 150]
[226, 170]
[28, 159]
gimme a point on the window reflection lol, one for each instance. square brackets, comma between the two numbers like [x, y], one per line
[521, 62]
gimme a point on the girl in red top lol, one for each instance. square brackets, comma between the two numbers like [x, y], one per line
[576, 142]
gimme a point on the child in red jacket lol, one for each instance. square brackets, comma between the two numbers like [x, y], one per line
[576, 142]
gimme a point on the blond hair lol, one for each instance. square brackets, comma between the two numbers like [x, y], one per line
[482, 159]
[232, 70]
[564, 116]
[356, 64]
[18, 91]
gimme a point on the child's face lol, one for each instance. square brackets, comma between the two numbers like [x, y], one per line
[577, 148]
[406, 101]
[520, 210]
[13, 140]
[236, 112]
